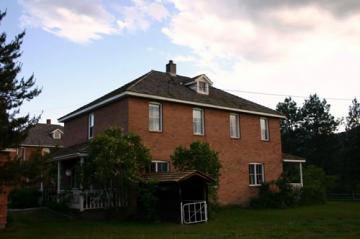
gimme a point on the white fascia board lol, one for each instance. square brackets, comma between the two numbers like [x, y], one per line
[294, 160]
[202, 104]
[70, 156]
[131, 93]
[39, 146]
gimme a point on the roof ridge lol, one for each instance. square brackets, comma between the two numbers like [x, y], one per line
[139, 79]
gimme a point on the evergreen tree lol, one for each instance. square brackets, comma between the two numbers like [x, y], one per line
[353, 118]
[290, 127]
[13, 92]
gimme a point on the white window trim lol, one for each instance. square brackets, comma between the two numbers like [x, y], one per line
[267, 129]
[263, 174]
[157, 166]
[202, 122]
[206, 92]
[91, 115]
[161, 116]
[238, 125]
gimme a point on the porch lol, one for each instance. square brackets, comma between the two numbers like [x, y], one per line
[293, 169]
[70, 190]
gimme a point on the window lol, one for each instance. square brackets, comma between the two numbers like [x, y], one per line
[256, 174]
[203, 87]
[198, 122]
[155, 115]
[91, 125]
[56, 134]
[264, 125]
[159, 166]
[234, 126]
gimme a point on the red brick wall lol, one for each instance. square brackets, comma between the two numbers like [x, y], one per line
[3, 209]
[4, 156]
[112, 115]
[235, 154]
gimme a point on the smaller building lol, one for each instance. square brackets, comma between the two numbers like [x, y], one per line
[43, 137]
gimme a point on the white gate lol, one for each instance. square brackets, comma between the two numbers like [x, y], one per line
[193, 212]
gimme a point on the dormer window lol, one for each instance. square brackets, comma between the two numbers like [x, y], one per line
[201, 84]
[203, 87]
[56, 134]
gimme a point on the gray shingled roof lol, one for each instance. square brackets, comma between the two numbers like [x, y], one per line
[40, 135]
[162, 84]
[176, 177]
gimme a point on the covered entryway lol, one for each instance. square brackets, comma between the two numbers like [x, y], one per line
[292, 167]
[182, 196]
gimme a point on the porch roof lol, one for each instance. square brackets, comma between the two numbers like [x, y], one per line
[78, 150]
[176, 177]
[293, 158]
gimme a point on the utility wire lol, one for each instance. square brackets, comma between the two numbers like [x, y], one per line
[283, 95]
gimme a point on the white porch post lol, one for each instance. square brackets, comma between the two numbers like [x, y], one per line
[81, 196]
[301, 175]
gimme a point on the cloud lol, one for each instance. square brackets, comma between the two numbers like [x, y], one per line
[82, 21]
[286, 47]
[140, 14]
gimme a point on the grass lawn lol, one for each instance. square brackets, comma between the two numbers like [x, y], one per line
[333, 220]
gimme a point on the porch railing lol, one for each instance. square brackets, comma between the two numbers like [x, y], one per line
[94, 199]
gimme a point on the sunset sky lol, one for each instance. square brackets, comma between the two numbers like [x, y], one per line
[259, 50]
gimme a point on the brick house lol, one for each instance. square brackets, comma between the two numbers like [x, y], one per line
[167, 110]
[41, 137]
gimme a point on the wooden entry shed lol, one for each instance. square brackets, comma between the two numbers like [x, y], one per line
[175, 189]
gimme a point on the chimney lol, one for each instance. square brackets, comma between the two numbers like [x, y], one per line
[171, 68]
[48, 121]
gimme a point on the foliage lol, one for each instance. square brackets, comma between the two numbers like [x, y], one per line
[26, 197]
[353, 118]
[13, 92]
[315, 184]
[19, 173]
[147, 201]
[115, 161]
[276, 194]
[199, 157]
[350, 169]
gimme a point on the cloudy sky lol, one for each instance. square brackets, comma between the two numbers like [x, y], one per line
[260, 50]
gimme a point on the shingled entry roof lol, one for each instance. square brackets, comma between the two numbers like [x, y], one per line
[172, 87]
[176, 177]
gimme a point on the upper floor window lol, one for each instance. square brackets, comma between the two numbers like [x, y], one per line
[91, 125]
[234, 126]
[56, 134]
[159, 166]
[256, 174]
[198, 121]
[155, 115]
[264, 126]
[203, 87]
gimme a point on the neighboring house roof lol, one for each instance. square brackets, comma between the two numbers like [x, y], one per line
[176, 177]
[41, 135]
[164, 86]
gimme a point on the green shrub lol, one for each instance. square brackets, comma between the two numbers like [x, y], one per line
[24, 198]
[315, 184]
[147, 201]
[276, 194]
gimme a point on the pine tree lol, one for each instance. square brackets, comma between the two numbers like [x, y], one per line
[14, 91]
[353, 119]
